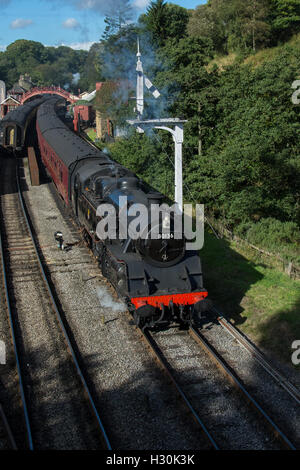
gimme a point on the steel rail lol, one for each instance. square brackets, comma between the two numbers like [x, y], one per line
[200, 339]
[58, 315]
[158, 355]
[16, 352]
[8, 429]
[88, 141]
[259, 357]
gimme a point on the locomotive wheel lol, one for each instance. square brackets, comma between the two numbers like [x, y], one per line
[137, 319]
[146, 317]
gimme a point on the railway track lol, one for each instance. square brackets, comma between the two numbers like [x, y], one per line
[239, 386]
[141, 410]
[214, 396]
[255, 353]
[160, 358]
[7, 439]
[58, 408]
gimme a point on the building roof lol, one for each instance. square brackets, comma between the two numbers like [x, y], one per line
[82, 103]
[10, 98]
[88, 96]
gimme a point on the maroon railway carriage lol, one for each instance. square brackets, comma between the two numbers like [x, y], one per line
[57, 169]
[62, 151]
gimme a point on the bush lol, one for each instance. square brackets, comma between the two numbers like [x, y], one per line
[282, 238]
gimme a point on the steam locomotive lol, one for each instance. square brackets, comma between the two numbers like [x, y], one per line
[159, 280]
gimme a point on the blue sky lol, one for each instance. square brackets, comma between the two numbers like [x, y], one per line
[76, 23]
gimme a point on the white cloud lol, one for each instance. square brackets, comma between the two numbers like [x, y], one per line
[86, 45]
[141, 4]
[71, 23]
[3, 48]
[90, 4]
[20, 23]
[97, 5]
[103, 7]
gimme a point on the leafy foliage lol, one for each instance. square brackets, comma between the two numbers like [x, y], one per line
[165, 20]
[236, 25]
[285, 17]
[118, 16]
[242, 139]
[92, 68]
[47, 65]
[146, 155]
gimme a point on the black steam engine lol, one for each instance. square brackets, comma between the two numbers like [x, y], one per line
[157, 278]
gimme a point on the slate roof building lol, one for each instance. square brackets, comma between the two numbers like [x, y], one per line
[14, 95]
[9, 104]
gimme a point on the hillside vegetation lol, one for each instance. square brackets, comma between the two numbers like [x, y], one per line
[241, 149]
[46, 65]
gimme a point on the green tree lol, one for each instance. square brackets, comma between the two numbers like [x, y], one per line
[250, 170]
[255, 27]
[119, 14]
[164, 21]
[46, 65]
[118, 55]
[91, 69]
[156, 20]
[232, 24]
[206, 21]
[285, 18]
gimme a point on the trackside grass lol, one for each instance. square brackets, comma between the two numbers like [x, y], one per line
[263, 302]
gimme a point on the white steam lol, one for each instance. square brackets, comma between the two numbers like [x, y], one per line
[107, 302]
[76, 78]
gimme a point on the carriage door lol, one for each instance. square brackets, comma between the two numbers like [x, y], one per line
[10, 136]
